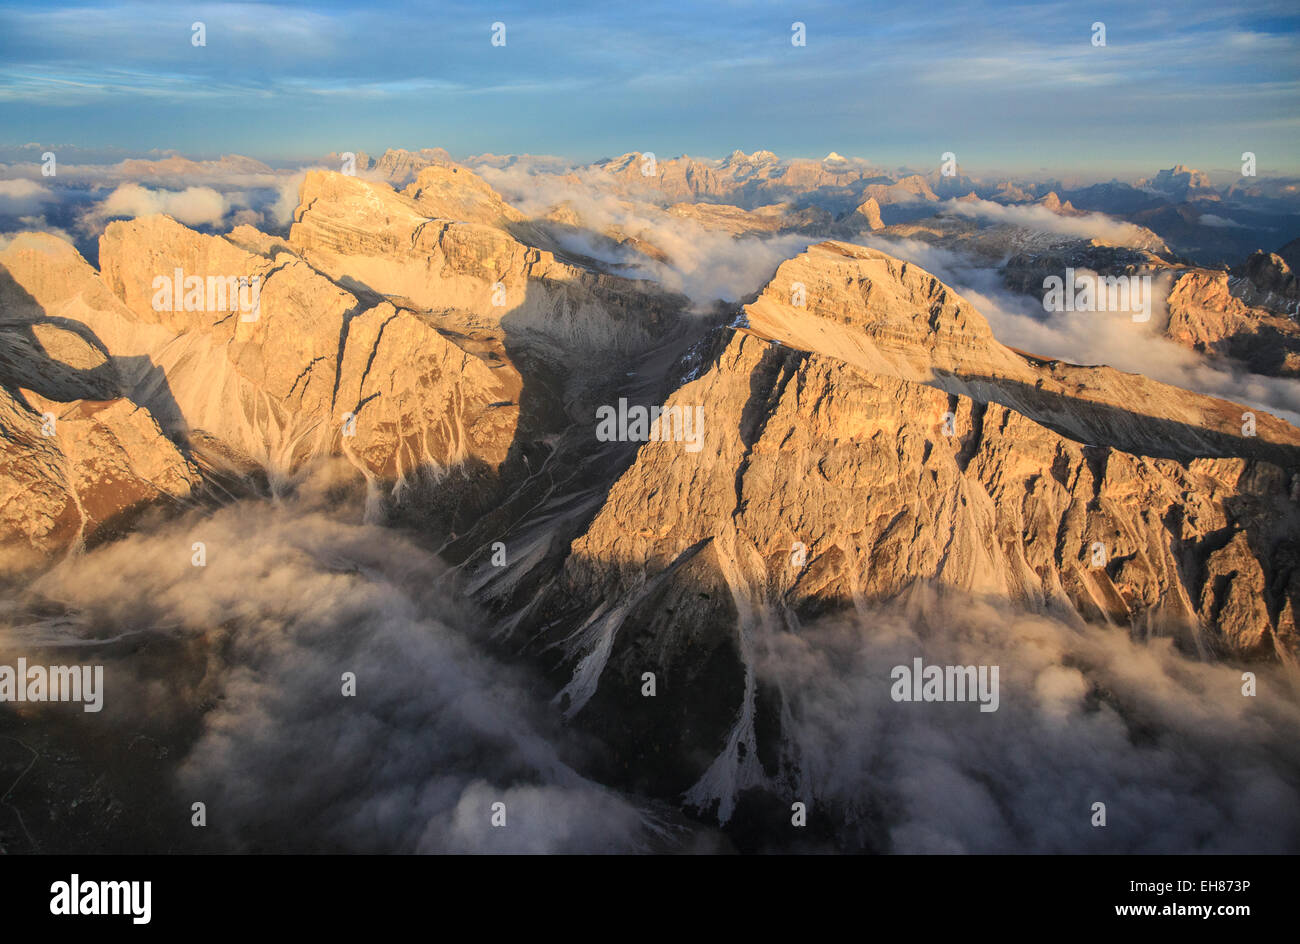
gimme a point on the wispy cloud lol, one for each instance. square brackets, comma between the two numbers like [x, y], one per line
[588, 79]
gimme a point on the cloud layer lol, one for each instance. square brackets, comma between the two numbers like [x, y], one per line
[704, 264]
[1092, 338]
[1182, 760]
[193, 206]
[1097, 226]
[290, 599]
[439, 732]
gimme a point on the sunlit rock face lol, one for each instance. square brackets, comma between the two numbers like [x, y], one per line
[849, 446]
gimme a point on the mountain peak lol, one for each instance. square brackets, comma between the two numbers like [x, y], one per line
[1180, 182]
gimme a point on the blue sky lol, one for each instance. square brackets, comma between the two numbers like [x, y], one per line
[1016, 87]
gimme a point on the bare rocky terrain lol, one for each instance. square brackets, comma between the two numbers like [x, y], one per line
[866, 438]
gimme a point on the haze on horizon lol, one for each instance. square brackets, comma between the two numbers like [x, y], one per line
[1007, 87]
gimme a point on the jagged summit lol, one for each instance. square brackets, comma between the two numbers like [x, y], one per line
[1181, 183]
[1054, 203]
[863, 440]
[868, 436]
[399, 167]
[869, 309]
[377, 332]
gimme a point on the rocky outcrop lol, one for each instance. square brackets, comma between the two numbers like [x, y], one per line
[886, 316]
[252, 363]
[79, 472]
[1026, 255]
[449, 192]
[877, 439]
[384, 330]
[863, 438]
[400, 167]
[1266, 280]
[1008, 192]
[760, 221]
[1053, 202]
[1181, 183]
[910, 189]
[677, 180]
[363, 233]
[867, 213]
[753, 180]
[417, 403]
[1209, 311]
[316, 372]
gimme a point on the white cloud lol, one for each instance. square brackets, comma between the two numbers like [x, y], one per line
[280, 213]
[1097, 226]
[1182, 761]
[289, 600]
[1096, 337]
[23, 197]
[1209, 219]
[193, 206]
[704, 264]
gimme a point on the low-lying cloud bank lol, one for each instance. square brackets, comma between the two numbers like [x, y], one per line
[79, 200]
[290, 599]
[1182, 760]
[23, 197]
[702, 263]
[1088, 225]
[268, 206]
[1090, 338]
[193, 206]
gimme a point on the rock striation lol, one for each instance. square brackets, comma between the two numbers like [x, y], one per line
[877, 439]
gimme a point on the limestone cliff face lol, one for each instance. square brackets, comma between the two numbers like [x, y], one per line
[860, 410]
[867, 213]
[78, 472]
[1213, 312]
[763, 220]
[449, 192]
[399, 166]
[910, 189]
[677, 179]
[316, 372]
[878, 439]
[873, 311]
[856, 467]
[256, 355]
[78, 459]
[261, 380]
[358, 231]
[1052, 202]
[753, 180]
[1267, 280]
[421, 404]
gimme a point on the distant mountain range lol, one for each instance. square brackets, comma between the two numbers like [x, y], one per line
[865, 440]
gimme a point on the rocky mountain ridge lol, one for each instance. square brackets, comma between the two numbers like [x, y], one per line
[870, 442]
